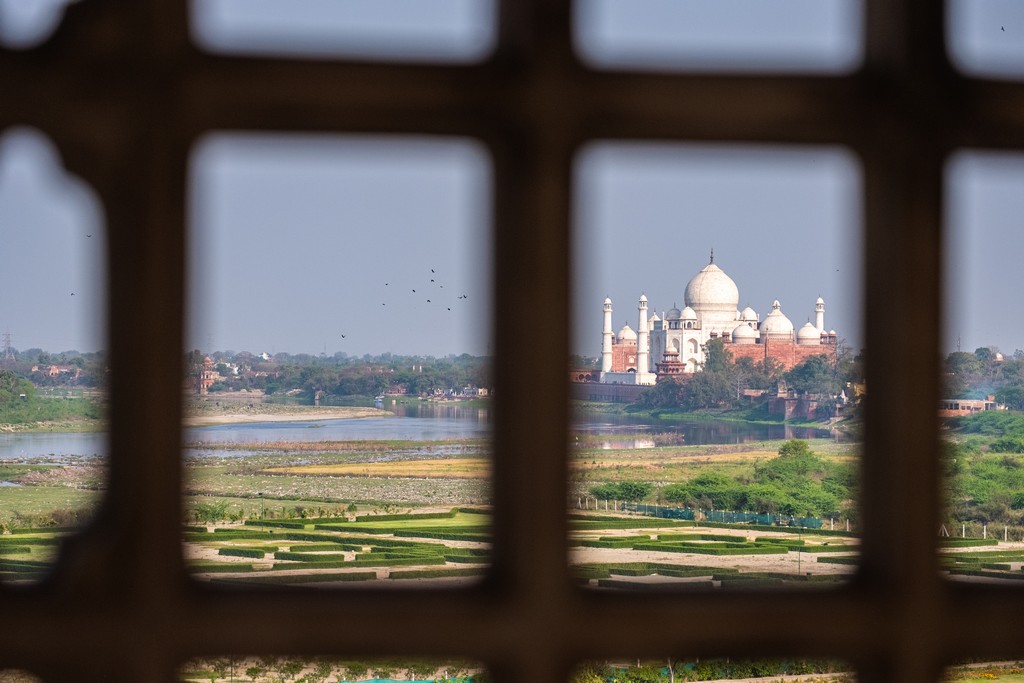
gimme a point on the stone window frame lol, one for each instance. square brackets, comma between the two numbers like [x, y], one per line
[125, 95]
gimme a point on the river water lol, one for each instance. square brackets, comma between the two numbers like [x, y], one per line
[427, 422]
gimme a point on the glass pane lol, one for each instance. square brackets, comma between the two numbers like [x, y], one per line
[402, 30]
[717, 35]
[52, 363]
[27, 23]
[986, 37]
[716, 446]
[790, 669]
[315, 669]
[984, 369]
[339, 333]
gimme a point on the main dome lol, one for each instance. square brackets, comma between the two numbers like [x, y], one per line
[712, 290]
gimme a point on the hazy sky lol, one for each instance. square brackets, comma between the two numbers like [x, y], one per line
[295, 236]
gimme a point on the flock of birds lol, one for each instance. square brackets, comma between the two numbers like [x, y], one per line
[432, 289]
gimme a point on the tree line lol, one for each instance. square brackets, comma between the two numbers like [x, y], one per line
[722, 380]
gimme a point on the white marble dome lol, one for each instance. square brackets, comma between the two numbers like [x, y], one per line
[748, 313]
[744, 334]
[808, 335]
[627, 334]
[711, 290]
[776, 325]
[688, 314]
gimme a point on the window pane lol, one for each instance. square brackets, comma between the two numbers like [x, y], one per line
[403, 30]
[715, 446]
[52, 360]
[339, 371]
[27, 23]
[986, 37]
[717, 35]
[790, 669]
[984, 369]
[379, 670]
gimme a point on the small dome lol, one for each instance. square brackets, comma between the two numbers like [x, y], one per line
[776, 325]
[627, 334]
[673, 314]
[643, 297]
[607, 299]
[748, 314]
[744, 334]
[689, 314]
[832, 332]
[654, 316]
[808, 335]
[820, 301]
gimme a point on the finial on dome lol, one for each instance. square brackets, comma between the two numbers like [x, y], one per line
[712, 254]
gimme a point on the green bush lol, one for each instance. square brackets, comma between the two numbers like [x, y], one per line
[256, 553]
[14, 549]
[393, 518]
[436, 573]
[286, 579]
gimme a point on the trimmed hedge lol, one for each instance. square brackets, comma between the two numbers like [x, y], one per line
[838, 560]
[256, 553]
[446, 535]
[966, 542]
[607, 544]
[702, 537]
[394, 518]
[436, 573]
[987, 573]
[711, 550]
[467, 559]
[218, 567]
[788, 529]
[286, 579]
[830, 549]
[14, 549]
[655, 587]
[278, 524]
[45, 530]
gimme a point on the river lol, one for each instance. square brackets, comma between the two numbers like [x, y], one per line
[417, 422]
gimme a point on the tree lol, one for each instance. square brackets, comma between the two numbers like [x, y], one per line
[815, 375]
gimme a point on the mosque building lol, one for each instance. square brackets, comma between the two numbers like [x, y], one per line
[673, 343]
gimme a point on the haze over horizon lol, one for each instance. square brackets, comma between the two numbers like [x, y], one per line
[311, 244]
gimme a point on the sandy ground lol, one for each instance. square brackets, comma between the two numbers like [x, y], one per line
[263, 413]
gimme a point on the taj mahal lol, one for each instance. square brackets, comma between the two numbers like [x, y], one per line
[673, 343]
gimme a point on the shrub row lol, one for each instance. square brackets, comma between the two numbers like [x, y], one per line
[468, 559]
[966, 542]
[987, 573]
[701, 537]
[218, 567]
[461, 535]
[436, 573]
[323, 547]
[45, 530]
[393, 518]
[838, 560]
[14, 549]
[28, 541]
[286, 579]
[654, 587]
[829, 549]
[256, 553]
[279, 524]
[607, 544]
[644, 537]
[711, 550]
[792, 530]
[781, 540]
[621, 523]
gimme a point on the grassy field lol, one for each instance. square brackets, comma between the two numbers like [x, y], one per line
[455, 468]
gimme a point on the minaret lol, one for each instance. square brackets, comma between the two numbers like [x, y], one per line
[606, 346]
[642, 336]
[819, 315]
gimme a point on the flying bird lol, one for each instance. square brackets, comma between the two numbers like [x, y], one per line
[88, 235]
[414, 291]
[431, 279]
[431, 270]
[428, 301]
[449, 309]
[342, 336]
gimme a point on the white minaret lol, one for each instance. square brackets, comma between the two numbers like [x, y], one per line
[819, 315]
[606, 346]
[642, 346]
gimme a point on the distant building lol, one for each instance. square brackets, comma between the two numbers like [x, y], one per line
[672, 344]
[207, 376]
[955, 407]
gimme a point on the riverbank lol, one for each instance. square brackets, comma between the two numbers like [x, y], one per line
[753, 415]
[205, 414]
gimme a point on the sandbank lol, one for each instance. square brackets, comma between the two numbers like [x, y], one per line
[283, 414]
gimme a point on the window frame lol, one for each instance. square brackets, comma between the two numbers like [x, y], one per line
[135, 95]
